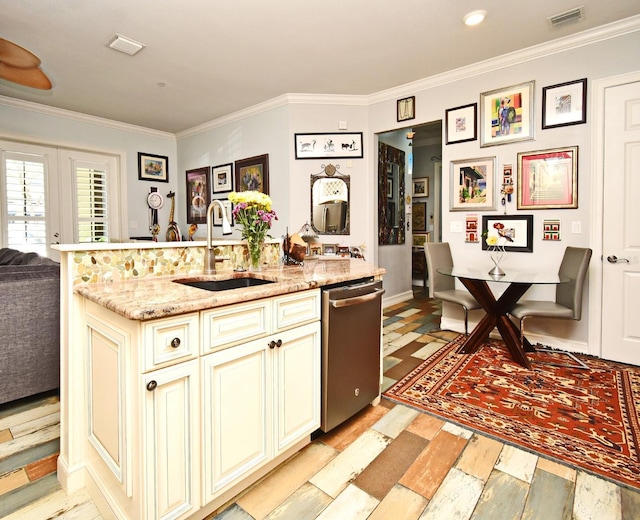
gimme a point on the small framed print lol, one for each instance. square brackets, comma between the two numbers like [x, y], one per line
[506, 114]
[564, 104]
[473, 184]
[222, 178]
[315, 250]
[342, 145]
[217, 213]
[153, 167]
[406, 108]
[252, 174]
[420, 187]
[548, 179]
[198, 197]
[516, 230]
[461, 124]
[419, 217]
[329, 249]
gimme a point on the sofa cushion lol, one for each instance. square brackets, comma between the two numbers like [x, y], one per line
[10, 256]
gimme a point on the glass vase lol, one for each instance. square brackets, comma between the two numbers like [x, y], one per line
[255, 252]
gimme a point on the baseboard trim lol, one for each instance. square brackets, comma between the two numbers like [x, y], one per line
[398, 298]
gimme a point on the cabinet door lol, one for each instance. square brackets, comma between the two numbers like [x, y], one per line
[297, 376]
[236, 414]
[171, 441]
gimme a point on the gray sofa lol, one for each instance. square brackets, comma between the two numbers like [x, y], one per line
[29, 324]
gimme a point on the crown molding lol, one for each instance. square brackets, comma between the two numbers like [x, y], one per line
[82, 118]
[588, 37]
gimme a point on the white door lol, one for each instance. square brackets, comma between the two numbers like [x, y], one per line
[621, 225]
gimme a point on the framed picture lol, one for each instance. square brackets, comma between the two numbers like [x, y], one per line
[334, 146]
[506, 114]
[516, 231]
[222, 178]
[315, 250]
[329, 249]
[252, 174]
[564, 104]
[461, 124]
[198, 197]
[420, 240]
[473, 184]
[420, 187]
[548, 179]
[153, 167]
[419, 217]
[217, 212]
[406, 108]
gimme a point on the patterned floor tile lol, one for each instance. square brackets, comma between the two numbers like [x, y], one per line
[352, 503]
[305, 504]
[549, 497]
[517, 463]
[395, 421]
[596, 499]
[400, 504]
[502, 498]
[479, 457]
[455, 498]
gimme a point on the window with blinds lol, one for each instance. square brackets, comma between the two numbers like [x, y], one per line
[91, 204]
[26, 189]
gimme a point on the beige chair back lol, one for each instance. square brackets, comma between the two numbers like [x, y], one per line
[574, 266]
[438, 255]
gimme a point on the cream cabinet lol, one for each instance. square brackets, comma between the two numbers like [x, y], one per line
[184, 409]
[260, 398]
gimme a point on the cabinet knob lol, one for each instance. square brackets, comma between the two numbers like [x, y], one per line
[175, 342]
[152, 385]
[274, 344]
[279, 343]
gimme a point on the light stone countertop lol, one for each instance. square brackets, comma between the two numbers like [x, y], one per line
[159, 297]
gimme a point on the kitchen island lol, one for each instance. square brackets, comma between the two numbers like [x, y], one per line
[175, 398]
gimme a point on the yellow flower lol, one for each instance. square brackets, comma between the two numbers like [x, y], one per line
[492, 240]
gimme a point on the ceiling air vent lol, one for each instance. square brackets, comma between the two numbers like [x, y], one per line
[566, 18]
[126, 45]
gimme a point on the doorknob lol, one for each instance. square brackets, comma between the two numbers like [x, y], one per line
[613, 259]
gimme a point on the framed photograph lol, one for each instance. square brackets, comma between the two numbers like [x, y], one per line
[252, 174]
[328, 145]
[461, 124]
[329, 249]
[153, 167]
[222, 178]
[506, 114]
[514, 231]
[217, 213]
[548, 179]
[406, 108]
[564, 104]
[315, 250]
[420, 187]
[419, 217]
[473, 184]
[198, 197]
[420, 240]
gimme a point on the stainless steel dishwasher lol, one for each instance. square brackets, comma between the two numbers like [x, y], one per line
[351, 349]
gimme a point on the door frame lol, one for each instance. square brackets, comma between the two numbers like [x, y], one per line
[599, 87]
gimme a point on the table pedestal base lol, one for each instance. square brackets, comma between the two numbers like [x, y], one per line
[496, 316]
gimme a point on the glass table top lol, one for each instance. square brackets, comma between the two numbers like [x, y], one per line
[509, 277]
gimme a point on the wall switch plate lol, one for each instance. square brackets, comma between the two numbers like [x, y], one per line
[455, 226]
[576, 227]
[342, 125]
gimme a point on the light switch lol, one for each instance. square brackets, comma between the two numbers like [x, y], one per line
[455, 226]
[342, 125]
[576, 227]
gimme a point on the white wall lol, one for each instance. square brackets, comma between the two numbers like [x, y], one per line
[597, 60]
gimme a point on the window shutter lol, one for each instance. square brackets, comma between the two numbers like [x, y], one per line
[26, 190]
[91, 204]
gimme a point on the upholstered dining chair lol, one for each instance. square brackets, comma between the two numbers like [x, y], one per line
[568, 301]
[442, 287]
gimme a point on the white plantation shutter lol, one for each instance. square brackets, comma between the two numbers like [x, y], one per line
[26, 207]
[92, 221]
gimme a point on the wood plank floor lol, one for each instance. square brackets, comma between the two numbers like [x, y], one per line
[389, 462]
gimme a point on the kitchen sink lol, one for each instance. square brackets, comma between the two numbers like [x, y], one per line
[224, 285]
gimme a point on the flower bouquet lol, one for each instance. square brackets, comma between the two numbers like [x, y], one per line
[253, 212]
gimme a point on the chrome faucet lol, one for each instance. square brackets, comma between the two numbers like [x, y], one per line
[209, 252]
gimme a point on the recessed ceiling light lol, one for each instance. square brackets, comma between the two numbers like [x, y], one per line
[474, 17]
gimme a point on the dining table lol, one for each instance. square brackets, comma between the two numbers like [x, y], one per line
[497, 310]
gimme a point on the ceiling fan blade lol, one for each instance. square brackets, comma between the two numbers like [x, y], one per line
[34, 78]
[16, 56]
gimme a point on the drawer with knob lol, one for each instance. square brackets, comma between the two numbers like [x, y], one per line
[170, 340]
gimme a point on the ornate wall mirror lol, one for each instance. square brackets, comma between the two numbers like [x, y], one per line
[391, 193]
[330, 202]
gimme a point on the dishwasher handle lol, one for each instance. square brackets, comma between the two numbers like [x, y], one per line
[348, 302]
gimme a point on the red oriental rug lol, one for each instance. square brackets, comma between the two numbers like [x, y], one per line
[587, 419]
